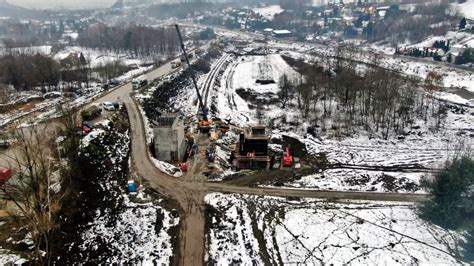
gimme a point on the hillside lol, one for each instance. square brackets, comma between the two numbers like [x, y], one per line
[13, 11]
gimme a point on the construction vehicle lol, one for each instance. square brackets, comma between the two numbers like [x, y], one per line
[175, 64]
[91, 113]
[287, 158]
[139, 82]
[205, 124]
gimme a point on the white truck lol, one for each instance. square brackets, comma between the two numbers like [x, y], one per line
[139, 82]
[175, 64]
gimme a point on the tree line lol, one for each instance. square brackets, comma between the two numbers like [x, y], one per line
[25, 72]
[133, 39]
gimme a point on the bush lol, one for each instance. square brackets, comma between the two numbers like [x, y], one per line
[451, 202]
[468, 245]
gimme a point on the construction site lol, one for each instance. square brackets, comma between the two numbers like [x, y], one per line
[215, 148]
[209, 159]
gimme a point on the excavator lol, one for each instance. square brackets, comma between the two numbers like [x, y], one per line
[203, 119]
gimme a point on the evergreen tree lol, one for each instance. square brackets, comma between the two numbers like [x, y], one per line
[468, 245]
[462, 24]
[450, 58]
[61, 26]
[82, 59]
[451, 202]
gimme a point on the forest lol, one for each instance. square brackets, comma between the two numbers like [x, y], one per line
[25, 72]
[133, 39]
[379, 100]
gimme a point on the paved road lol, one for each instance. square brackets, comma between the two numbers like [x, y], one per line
[125, 89]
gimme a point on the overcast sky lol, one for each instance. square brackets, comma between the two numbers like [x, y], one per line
[40, 4]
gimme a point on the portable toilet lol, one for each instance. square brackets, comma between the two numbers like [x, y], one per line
[132, 187]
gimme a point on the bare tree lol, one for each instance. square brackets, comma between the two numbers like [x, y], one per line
[35, 189]
[286, 90]
[433, 83]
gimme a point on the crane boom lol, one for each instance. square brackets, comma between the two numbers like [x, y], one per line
[201, 104]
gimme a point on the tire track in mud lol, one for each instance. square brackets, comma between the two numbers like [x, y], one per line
[210, 78]
[229, 86]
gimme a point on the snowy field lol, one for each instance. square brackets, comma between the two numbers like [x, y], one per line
[242, 74]
[380, 165]
[29, 50]
[268, 12]
[453, 78]
[360, 180]
[140, 233]
[43, 107]
[97, 57]
[466, 8]
[254, 230]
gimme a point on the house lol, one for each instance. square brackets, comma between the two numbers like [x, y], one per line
[72, 60]
[457, 49]
[268, 31]
[438, 51]
[282, 33]
[382, 10]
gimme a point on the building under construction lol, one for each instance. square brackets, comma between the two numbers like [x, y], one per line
[252, 150]
[169, 139]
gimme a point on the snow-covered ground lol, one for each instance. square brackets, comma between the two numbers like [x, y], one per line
[268, 230]
[466, 8]
[452, 77]
[7, 258]
[249, 69]
[97, 57]
[373, 164]
[360, 180]
[140, 233]
[29, 50]
[389, 160]
[268, 12]
[125, 227]
[242, 74]
[46, 108]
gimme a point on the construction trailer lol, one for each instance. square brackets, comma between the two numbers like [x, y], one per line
[170, 144]
[252, 150]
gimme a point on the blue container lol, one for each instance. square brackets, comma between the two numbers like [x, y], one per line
[132, 187]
